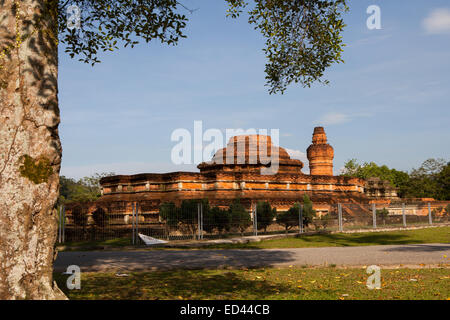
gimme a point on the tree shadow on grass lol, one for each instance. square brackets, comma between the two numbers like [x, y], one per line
[421, 248]
[337, 239]
[361, 239]
[193, 284]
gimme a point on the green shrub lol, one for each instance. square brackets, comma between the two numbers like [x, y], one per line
[308, 213]
[290, 218]
[79, 216]
[240, 218]
[100, 217]
[265, 214]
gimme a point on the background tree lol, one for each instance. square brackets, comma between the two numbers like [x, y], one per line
[443, 181]
[92, 183]
[437, 212]
[308, 213]
[398, 179]
[222, 219]
[430, 180]
[424, 181]
[100, 217]
[382, 213]
[303, 39]
[290, 218]
[432, 166]
[80, 220]
[323, 221]
[447, 211]
[168, 213]
[209, 218]
[240, 218]
[265, 214]
[83, 190]
[351, 168]
[79, 216]
[216, 218]
[189, 214]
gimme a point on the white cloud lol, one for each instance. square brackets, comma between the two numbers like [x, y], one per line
[297, 154]
[437, 22]
[331, 118]
[369, 40]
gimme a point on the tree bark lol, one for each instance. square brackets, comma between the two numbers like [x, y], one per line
[30, 151]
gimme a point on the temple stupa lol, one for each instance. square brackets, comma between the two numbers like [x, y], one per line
[236, 172]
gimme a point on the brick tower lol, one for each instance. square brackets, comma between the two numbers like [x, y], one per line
[320, 154]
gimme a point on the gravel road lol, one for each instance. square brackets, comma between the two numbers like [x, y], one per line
[428, 254]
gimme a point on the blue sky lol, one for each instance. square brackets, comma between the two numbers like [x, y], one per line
[388, 103]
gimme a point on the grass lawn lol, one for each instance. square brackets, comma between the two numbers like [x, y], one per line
[263, 283]
[427, 235]
[92, 245]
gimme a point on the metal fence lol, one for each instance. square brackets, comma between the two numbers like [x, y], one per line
[202, 222]
[80, 225]
[396, 215]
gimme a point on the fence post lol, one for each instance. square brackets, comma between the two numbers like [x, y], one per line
[256, 220]
[167, 228]
[63, 223]
[60, 224]
[404, 215]
[339, 216]
[137, 223]
[132, 223]
[201, 221]
[374, 215]
[300, 218]
[430, 218]
[253, 219]
[198, 220]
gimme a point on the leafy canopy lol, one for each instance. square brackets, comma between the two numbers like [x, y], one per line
[82, 190]
[104, 23]
[265, 214]
[398, 179]
[383, 213]
[308, 213]
[430, 180]
[290, 218]
[303, 37]
[240, 218]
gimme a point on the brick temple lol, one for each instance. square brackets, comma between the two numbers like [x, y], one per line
[236, 172]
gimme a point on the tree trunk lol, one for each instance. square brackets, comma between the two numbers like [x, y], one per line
[30, 151]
